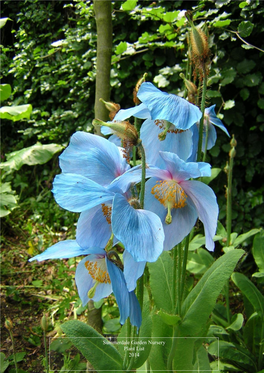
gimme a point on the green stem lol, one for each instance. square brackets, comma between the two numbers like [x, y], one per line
[229, 201]
[179, 271]
[184, 264]
[261, 348]
[134, 156]
[143, 175]
[199, 153]
[174, 275]
[46, 351]
[13, 346]
[173, 349]
[227, 302]
[206, 139]
[125, 361]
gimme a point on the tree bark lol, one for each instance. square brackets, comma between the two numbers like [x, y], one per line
[103, 16]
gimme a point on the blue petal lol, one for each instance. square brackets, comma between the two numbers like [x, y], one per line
[94, 157]
[132, 270]
[122, 183]
[181, 170]
[179, 143]
[61, 250]
[168, 107]
[183, 219]
[85, 282]
[135, 311]
[214, 119]
[120, 290]
[93, 228]
[140, 231]
[211, 137]
[140, 111]
[77, 193]
[206, 205]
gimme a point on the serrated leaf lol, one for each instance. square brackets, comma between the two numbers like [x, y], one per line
[200, 301]
[5, 91]
[210, 93]
[94, 347]
[250, 291]
[228, 76]
[15, 113]
[244, 93]
[36, 154]
[252, 80]
[245, 28]
[245, 66]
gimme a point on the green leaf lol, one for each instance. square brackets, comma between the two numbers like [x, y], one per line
[229, 104]
[214, 173]
[161, 282]
[202, 361]
[222, 23]
[129, 5]
[237, 323]
[15, 113]
[159, 352]
[250, 291]
[228, 76]
[95, 348]
[243, 237]
[8, 199]
[244, 93]
[3, 363]
[19, 357]
[5, 91]
[36, 154]
[3, 21]
[252, 80]
[210, 93]
[245, 28]
[200, 302]
[245, 66]
[258, 250]
[261, 103]
[199, 262]
[112, 325]
[170, 17]
[122, 47]
[232, 352]
[243, 4]
[168, 318]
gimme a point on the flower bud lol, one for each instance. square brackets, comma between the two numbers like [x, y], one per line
[233, 142]
[135, 91]
[124, 130]
[8, 324]
[112, 107]
[191, 87]
[44, 323]
[200, 47]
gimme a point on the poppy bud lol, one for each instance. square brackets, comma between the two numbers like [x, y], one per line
[44, 323]
[200, 47]
[124, 130]
[112, 107]
[8, 324]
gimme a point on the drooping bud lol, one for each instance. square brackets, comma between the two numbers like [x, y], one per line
[135, 91]
[191, 88]
[112, 107]
[8, 324]
[124, 130]
[200, 47]
[44, 323]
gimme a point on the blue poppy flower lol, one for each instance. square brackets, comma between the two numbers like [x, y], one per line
[97, 277]
[180, 142]
[168, 107]
[106, 206]
[211, 120]
[179, 201]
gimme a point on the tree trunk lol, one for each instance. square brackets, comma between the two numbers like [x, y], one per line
[103, 18]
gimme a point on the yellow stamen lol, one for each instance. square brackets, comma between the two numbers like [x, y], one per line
[107, 211]
[98, 271]
[170, 194]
